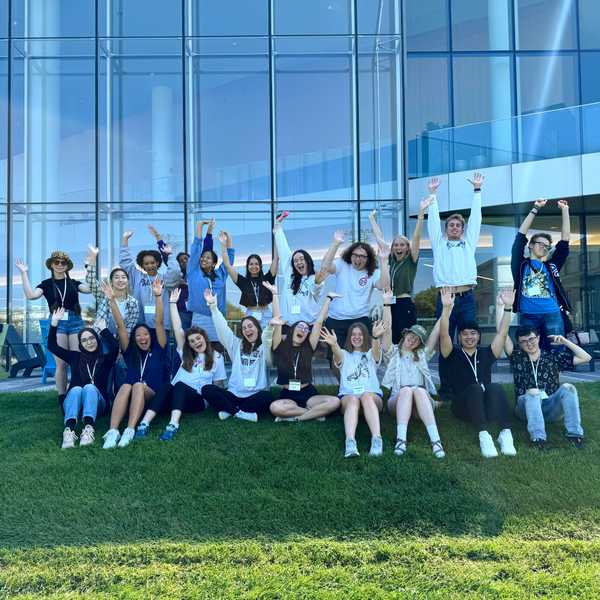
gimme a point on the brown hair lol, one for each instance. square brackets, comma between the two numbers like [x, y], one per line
[188, 356]
[366, 337]
[416, 350]
[542, 234]
[371, 258]
[455, 217]
[247, 347]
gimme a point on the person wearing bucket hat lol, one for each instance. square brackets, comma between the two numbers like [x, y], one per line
[409, 379]
[60, 291]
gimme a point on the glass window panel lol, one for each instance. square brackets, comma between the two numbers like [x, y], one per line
[545, 25]
[312, 17]
[589, 24]
[230, 17]
[481, 25]
[3, 263]
[141, 116]
[426, 25]
[37, 230]
[313, 118]
[228, 122]
[389, 215]
[590, 90]
[3, 18]
[53, 124]
[380, 128]
[425, 293]
[53, 18]
[593, 274]
[3, 121]
[139, 18]
[379, 17]
[427, 110]
[488, 140]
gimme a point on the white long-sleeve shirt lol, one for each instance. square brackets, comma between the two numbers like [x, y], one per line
[454, 260]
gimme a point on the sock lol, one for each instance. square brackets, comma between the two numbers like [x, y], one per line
[432, 430]
[70, 423]
[176, 425]
[88, 421]
[401, 430]
[144, 423]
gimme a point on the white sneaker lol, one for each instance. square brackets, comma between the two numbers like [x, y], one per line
[69, 438]
[507, 445]
[224, 415]
[87, 436]
[111, 437]
[321, 419]
[376, 446]
[285, 419]
[246, 416]
[351, 450]
[486, 443]
[127, 437]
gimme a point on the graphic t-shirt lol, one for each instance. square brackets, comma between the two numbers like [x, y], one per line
[198, 376]
[358, 373]
[537, 291]
[355, 288]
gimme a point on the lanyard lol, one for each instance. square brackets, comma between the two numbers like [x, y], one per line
[473, 364]
[143, 366]
[209, 281]
[534, 369]
[255, 288]
[296, 365]
[92, 372]
[62, 294]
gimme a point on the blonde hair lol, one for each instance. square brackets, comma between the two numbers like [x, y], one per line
[455, 217]
[399, 238]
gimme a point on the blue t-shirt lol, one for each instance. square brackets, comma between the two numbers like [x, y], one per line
[153, 363]
[537, 293]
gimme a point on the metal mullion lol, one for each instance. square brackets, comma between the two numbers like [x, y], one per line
[9, 171]
[96, 128]
[355, 115]
[272, 124]
[184, 132]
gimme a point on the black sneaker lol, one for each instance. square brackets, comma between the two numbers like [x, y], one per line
[539, 444]
[576, 441]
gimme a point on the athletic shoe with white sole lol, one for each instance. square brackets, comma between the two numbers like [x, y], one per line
[507, 445]
[246, 416]
[486, 443]
[285, 419]
[88, 435]
[69, 438]
[223, 415]
[376, 446]
[127, 437]
[351, 450]
[111, 437]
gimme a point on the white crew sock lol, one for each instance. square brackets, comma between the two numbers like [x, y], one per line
[401, 430]
[433, 432]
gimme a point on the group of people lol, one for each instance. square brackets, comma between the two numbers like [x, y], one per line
[122, 363]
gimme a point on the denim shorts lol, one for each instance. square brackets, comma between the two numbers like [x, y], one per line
[74, 324]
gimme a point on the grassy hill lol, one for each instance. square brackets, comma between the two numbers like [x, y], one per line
[235, 509]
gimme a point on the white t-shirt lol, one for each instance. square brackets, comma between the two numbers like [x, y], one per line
[358, 373]
[198, 377]
[355, 288]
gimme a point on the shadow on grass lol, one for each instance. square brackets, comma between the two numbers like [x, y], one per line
[234, 480]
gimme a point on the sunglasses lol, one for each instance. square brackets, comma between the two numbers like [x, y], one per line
[59, 261]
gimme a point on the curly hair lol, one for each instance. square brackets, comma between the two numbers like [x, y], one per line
[371, 258]
[139, 259]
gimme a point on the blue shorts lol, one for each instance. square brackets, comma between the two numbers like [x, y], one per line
[73, 325]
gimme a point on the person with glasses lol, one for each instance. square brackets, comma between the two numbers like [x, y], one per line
[540, 396]
[540, 298]
[60, 291]
[90, 365]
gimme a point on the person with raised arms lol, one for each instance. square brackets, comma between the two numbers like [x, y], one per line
[200, 366]
[299, 400]
[409, 379]
[145, 354]
[60, 291]
[90, 365]
[255, 297]
[467, 376]
[247, 395]
[359, 386]
[203, 274]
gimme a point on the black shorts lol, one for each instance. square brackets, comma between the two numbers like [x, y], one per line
[301, 397]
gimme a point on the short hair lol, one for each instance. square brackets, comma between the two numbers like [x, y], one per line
[542, 234]
[455, 217]
[155, 254]
[371, 258]
[525, 331]
[469, 325]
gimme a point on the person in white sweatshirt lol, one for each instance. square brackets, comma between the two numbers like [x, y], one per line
[247, 394]
[454, 263]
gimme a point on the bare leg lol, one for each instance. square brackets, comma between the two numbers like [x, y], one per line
[149, 416]
[424, 407]
[286, 408]
[371, 405]
[139, 394]
[60, 374]
[404, 406]
[120, 405]
[320, 406]
[175, 416]
[350, 410]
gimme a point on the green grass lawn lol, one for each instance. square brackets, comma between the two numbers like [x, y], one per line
[234, 509]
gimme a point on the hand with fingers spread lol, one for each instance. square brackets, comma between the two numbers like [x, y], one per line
[22, 266]
[383, 250]
[477, 181]
[328, 336]
[223, 238]
[211, 299]
[379, 328]
[57, 315]
[100, 324]
[388, 297]
[157, 287]
[447, 298]
[211, 225]
[174, 297]
[277, 322]
[92, 253]
[107, 290]
[339, 237]
[433, 184]
[154, 232]
[271, 287]
[507, 295]
[127, 235]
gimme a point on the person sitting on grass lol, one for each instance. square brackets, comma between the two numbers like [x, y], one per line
[540, 396]
[90, 365]
[247, 394]
[299, 400]
[409, 379]
[359, 386]
[145, 354]
[200, 366]
[468, 376]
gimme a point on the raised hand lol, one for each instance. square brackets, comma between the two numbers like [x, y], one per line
[447, 297]
[100, 324]
[426, 203]
[223, 238]
[157, 287]
[558, 340]
[154, 232]
[433, 184]
[339, 237]
[507, 295]
[211, 225]
[383, 250]
[477, 180]
[373, 215]
[127, 234]
[209, 297]
[284, 214]
[277, 322]
[107, 290]
[388, 297]
[92, 255]
[57, 315]
[22, 266]
[271, 287]
[328, 336]
[540, 203]
[563, 205]
[174, 297]
[379, 328]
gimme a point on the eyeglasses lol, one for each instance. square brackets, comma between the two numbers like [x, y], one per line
[87, 340]
[544, 245]
[302, 327]
[364, 256]
[528, 341]
[59, 261]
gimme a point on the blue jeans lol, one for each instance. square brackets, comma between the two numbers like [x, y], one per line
[564, 402]
[547, 324]
[74, 324]
[465, 309]
[86, 399]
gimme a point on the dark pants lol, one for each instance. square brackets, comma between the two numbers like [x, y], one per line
[177, 397]
[404, 315]
[341, 327]
[465, 309]
[479, 407]
[546, 324]
[223, 400]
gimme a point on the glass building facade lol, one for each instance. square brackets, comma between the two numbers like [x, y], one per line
[115, 114]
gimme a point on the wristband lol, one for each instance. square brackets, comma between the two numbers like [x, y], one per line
[477, 189]
[507, 309]
[534, 211]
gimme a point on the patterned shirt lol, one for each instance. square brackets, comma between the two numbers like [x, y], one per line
[549, 365]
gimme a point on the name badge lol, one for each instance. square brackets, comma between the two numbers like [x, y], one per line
[295, 309]
[543, 394]
[249, 382]
[256, 314]
[150, 310]
[358, 389]
[294, 385]
[65, 316]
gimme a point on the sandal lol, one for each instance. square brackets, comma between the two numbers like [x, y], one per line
[400, 447]
[438, 449]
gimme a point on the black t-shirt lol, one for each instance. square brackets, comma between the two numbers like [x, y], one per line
[254, 293]
[57, 289]
[298, 356]
[456, 371]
